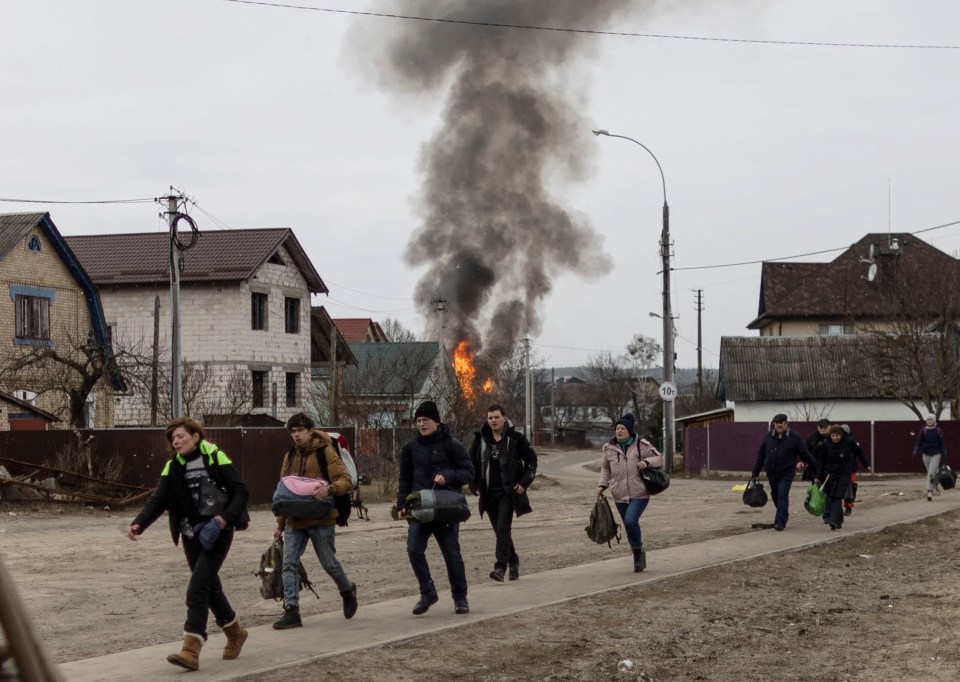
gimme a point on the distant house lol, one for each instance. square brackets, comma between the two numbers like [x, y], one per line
[821, 324]
[390, 379]
[21, 415]
[806, 377]
[878, 279]
[245, 318]
[329, 354]
[361, 330]
[52, 308]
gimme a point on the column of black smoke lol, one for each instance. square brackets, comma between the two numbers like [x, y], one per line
[492, 236]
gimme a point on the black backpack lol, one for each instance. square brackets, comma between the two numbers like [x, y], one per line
[602, 527]
[271, 573]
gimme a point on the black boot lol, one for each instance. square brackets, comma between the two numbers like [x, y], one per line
[290, 619]
[350, 602]
[514, 570]
[639, 560]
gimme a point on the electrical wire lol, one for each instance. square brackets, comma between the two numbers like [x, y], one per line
[625, 34]
[211, 216]
[364, 293]
[368, 310]
[802, 255]
[102, 201]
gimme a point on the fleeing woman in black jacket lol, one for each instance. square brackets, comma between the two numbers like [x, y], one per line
[839, 453]
[206, 500]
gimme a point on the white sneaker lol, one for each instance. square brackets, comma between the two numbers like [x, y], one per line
[929, 496]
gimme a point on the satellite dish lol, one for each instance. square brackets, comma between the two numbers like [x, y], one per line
[872, 272]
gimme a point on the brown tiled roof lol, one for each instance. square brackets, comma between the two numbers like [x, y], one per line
[911, 277]
[218, 256]
[353, 330]
[14, 227]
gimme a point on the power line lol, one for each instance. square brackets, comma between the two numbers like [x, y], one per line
[368, 310]
[364, 293]
[102, 201]
[803, 255]
[625, 34]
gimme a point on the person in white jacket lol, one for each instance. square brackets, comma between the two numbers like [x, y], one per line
[621, 461]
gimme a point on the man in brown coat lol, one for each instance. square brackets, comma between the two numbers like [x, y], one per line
[312, 456]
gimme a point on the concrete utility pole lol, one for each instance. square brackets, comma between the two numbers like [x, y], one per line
[699, 349]
[176, 383]
[528, 389]
[333, 374]
[155, 366]
[669, 357]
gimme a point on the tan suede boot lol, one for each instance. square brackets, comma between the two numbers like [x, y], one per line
[189, 656]
[236, 636]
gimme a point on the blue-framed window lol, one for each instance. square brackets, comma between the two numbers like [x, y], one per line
[34, 244]
[31, 307]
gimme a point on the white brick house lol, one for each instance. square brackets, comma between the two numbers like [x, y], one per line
[244, 313]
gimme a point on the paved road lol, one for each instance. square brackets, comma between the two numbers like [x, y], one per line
[391, 621]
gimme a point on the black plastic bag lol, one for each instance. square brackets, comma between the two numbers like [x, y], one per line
[754, 495]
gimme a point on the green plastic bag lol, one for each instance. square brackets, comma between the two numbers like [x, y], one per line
[816, 500]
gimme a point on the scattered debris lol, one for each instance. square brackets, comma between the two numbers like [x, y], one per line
[865, 556]
[625, 666]
[46, 482]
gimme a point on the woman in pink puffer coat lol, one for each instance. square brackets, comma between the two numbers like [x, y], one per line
[624, 456]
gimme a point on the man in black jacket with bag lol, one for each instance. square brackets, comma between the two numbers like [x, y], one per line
[434, 459]
[778, 455]
[504, 467]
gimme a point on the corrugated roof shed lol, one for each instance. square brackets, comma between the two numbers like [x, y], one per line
[762, 368]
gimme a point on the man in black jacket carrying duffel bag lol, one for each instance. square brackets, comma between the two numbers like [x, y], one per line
[434, 459]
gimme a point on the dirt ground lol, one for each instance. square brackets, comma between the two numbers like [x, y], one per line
[880, 606]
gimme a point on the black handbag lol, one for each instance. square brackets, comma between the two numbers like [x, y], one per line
[754, 495]
[851, 494]
[946, 477]
[654, 480]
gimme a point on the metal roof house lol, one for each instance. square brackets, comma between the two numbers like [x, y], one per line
[245, 312]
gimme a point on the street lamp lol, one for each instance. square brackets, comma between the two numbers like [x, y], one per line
[668, 355]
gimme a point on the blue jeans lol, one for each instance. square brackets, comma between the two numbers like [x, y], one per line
[295, 544]
[780, 493]
[448, 538]
[631, 512]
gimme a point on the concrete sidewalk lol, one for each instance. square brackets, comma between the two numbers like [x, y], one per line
[391, 621]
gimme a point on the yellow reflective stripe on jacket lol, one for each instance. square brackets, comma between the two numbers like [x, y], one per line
[206, 448]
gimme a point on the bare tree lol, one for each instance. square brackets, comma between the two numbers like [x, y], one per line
[693, 402]
[613, 378]
[73, 368]
[396, 331]
[233, 403]
[915, 362]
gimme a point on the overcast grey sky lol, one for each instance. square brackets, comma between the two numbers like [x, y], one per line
[264, 116]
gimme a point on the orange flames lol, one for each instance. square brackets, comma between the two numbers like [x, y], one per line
[466, 370]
